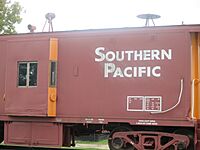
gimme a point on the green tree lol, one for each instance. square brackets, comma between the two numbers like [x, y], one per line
[9, 16]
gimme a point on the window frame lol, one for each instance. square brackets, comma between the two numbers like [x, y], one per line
[50, 73]
[27, 74]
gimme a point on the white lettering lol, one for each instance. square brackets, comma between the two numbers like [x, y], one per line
[112, 70]
[118, 58]
[155, 55]
[134, 71]
[148, 71]
[147, 55]
[109, 55]
[108, 68]
[154, 71]
[127, 72]
[98, 53]
[129, 55]
[138, 54]
[141, 71]
[118, 73]
[112, 54]
[165, 54]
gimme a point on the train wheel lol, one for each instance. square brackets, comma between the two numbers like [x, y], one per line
[189, 134]
[118, 143]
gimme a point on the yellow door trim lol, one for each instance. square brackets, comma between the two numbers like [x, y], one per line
[195, 114]
[52, 90]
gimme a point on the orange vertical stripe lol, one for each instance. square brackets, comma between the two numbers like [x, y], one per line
[53, 55]
[52, 91]
[198, 81]
[195, 75]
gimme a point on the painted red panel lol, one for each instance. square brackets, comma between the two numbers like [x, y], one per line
[47, 134]
[26, 101]
[17, 133]
[89, 94]
[2, 74]
[33, 133]
[84, 89]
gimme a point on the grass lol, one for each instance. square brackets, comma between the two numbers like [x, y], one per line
[79, 148]
[102, 142]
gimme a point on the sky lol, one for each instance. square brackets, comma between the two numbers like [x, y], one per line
[96, 14]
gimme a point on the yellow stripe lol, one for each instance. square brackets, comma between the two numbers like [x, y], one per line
[198, 81]
[53, 55]
[195, 75]
[52, 101]
[52, 91]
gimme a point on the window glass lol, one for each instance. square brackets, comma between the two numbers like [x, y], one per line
[33, 74]
[22, 76]
[27, 74]
[53, 74]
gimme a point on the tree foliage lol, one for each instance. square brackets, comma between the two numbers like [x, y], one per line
[9, 16]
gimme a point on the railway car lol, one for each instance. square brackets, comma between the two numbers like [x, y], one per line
[141, 85]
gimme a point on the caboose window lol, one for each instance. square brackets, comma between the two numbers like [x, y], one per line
[53, 73]
[22, 74]
[27, 74]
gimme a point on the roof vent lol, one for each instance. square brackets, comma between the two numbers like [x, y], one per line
[31, 28]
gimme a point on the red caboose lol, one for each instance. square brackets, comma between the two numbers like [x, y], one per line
[140, 84]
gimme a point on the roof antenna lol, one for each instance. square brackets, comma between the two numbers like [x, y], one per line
[49, 17]
[148, 17]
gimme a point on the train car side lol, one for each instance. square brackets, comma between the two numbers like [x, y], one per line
[141, 85]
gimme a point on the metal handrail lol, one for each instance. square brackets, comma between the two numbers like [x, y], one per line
[178, 102]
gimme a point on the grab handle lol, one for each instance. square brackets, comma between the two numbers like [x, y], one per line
[4, 97]
[178, 102]
[194, 81]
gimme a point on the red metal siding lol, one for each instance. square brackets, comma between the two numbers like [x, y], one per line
[84, 94]
[27, 101]
[83, 91]
[28, 133]
[2, 74]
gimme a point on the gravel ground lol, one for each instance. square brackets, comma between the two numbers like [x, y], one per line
[97, 146]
